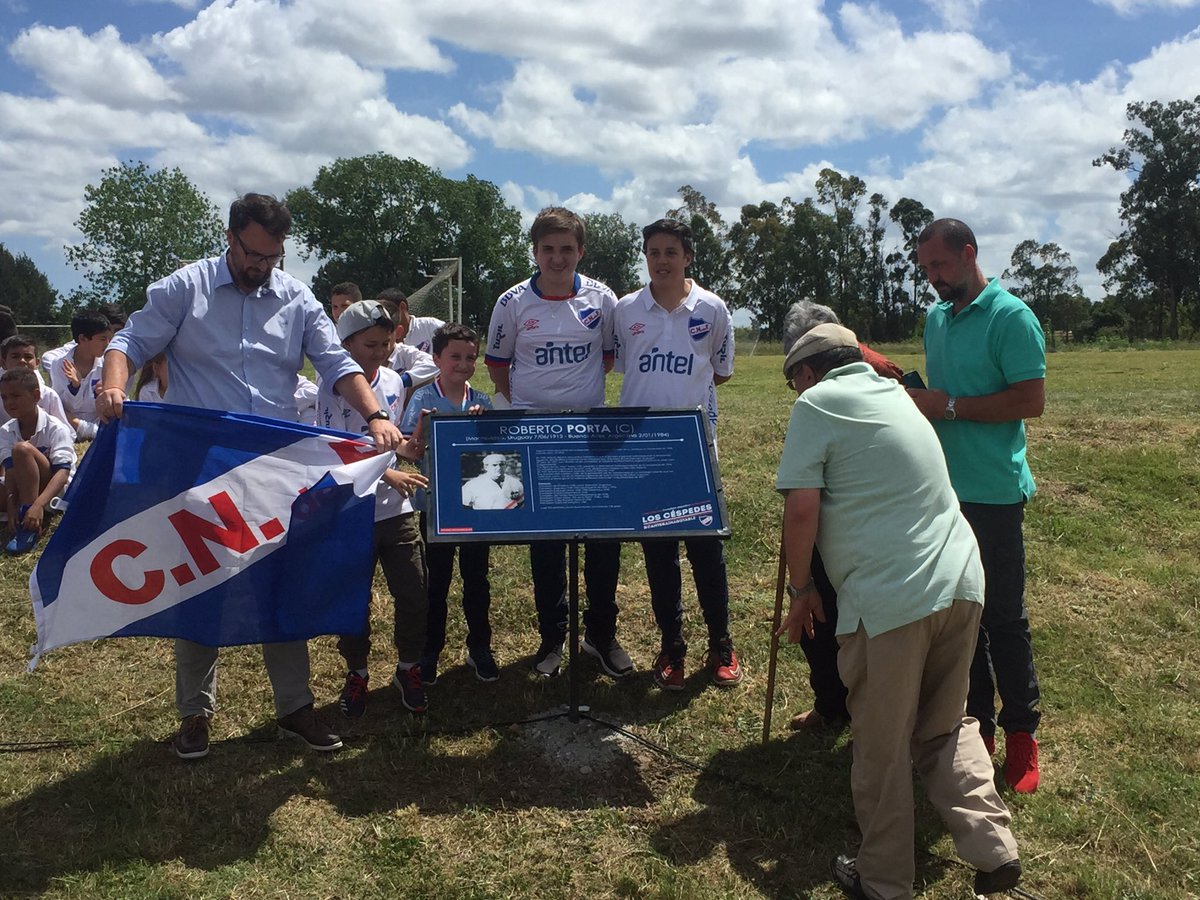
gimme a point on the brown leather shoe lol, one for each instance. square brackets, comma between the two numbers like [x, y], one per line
[303, 724]
[191, 741]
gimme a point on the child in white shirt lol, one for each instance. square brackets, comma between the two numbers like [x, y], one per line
[38, 455]
[366, 333]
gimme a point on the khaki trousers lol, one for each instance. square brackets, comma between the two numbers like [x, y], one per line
[907, 700]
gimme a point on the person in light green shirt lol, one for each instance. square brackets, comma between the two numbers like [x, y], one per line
[863, 478]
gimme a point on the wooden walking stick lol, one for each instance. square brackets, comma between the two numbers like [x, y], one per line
[775, 623]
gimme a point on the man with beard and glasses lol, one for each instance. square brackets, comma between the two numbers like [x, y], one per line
[236, 330]
[985, 358]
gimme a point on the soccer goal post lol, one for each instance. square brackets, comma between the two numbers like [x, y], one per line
[442, 294]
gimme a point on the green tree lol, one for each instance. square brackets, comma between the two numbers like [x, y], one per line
[848, 249]
[1131, 291]
[713, 264]
[1042, 275]
[381, 221]
[613, 251]
[912, 216]
[26, 290]
[782, 254]
[139, 225]
[485, 232]
[1161, 208]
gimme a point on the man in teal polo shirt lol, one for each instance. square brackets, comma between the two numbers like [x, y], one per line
[985, 359]
[909, 594]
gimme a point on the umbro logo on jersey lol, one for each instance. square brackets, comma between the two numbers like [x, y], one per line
[531, 324]
[637, 328]
[698, 328]
[589, 317]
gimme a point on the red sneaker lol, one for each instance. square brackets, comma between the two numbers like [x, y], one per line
[726, 670]
[668, 670]
[1021, 762]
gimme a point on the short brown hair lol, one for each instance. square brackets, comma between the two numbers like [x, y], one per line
[26, 378]
[673, 227]
[13, 341]
[955, 233]
[273, 215]
[557, 218]
[452, 331]
[347, 289]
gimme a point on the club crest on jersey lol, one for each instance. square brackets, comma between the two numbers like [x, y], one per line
[589, 317]
[531, 324]
[637, 328]
[698, 328]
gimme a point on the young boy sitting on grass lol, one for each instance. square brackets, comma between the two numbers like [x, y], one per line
[455, 350]
[20, 352]
[366, 333]
[38, 455]
[76, 375]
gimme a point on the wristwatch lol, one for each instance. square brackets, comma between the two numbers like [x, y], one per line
[793, 592]
[950, 415]
[380, 414]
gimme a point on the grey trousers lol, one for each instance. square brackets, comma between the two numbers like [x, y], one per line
[196, 677]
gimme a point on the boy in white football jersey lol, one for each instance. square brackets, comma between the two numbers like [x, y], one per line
[38, 455]
[19, 351]
[366, 332]
[549, 346]
[76, 375]
[674, 343]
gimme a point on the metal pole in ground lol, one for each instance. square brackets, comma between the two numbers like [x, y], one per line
[573, 630]
[775, 623]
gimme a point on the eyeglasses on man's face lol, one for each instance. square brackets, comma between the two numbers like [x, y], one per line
[268, 259]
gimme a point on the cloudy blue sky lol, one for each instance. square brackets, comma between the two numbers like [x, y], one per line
[988, 110]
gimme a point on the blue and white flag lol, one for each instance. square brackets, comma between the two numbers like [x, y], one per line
[219, 528]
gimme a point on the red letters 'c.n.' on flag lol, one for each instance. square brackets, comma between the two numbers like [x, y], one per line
[215, 527]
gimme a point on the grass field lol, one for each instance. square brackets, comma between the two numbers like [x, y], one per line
[461, 804]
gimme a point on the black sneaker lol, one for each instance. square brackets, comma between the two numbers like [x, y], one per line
[412, 692]
[1004, 878]
[429, 673]
[353, 702]
[303, 724]
[845, 872]
[548, 661]
[481, 660]
[613, 658]
[191, 741]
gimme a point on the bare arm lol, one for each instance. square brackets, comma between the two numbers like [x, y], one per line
[801, 511]
[499, 376]
[356, 391]
[1023, 400]
[35, 515]
[110, 399]
[721, 379]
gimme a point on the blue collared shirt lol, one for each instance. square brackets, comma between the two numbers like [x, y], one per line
[232, 351]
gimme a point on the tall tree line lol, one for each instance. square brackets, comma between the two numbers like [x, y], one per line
[382, 221]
